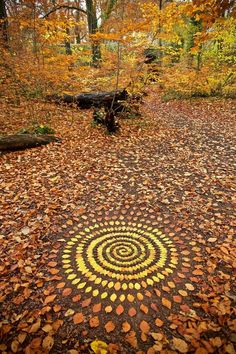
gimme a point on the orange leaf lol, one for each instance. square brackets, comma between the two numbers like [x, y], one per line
[132, 312]
[97, 307]
[49, 299]
[126, 327]
[144, 308]
[35, 343]
[57, 324]
[76, 298]
[60, 285]
[48, 343]
[94, 322]
[166, 303]
[158, 322]
[109, 326]
[56, 308]
[177, 298]
[78, 318]
[66, 292]
[180, 345]
[144, 326]
[131, 339]
[197, 272]
[86, 302]
[108, 309]
[119, 310]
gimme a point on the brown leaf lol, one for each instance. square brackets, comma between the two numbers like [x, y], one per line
[56, 308]
[180, 345]
[126, 327]
[49, 299]
[35, 327]
[57, 324]
[48, 343]
[166, 303]
[109, 326]
[78, 318]
[47, 328]
[52, 264]
[198, 272]
[201, 350]
[14, 346]
[144, 326]
[36, 343]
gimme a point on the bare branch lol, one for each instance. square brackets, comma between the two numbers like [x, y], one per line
[64, 7]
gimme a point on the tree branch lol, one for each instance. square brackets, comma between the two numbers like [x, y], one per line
[64, 7]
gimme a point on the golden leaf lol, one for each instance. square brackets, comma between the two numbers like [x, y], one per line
[99, 347]
[166, 303]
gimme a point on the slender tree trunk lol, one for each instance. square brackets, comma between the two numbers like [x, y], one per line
[159, 31]
[77, 29]
[93, 27]
[3, 23]
[67, 43]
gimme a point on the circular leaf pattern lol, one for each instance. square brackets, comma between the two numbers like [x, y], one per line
[120, 256]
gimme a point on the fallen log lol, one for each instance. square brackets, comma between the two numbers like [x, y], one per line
[108, 100]
[25, 141]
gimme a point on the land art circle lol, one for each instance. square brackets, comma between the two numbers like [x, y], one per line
[110, 259]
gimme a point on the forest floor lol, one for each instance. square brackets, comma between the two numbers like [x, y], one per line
[123, 243]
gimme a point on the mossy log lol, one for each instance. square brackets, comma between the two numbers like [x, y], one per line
[25, 141]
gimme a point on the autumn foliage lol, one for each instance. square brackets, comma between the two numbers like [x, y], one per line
[48, 49]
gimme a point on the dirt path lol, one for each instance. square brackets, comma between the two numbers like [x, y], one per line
[126, 239]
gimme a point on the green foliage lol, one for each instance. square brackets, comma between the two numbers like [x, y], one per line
[43, 129]
[37, 129]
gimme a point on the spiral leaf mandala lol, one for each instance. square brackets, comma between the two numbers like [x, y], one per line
[118, 256]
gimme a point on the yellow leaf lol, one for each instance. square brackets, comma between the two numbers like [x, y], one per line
[99, 347]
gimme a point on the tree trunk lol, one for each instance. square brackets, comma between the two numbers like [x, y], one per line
[25, 141]
[3, 23]
[93, 27]
[67, 43]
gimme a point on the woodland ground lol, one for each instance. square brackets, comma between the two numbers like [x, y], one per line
[172, 169]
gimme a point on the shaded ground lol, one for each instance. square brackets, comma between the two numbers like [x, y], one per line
[128, 239]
